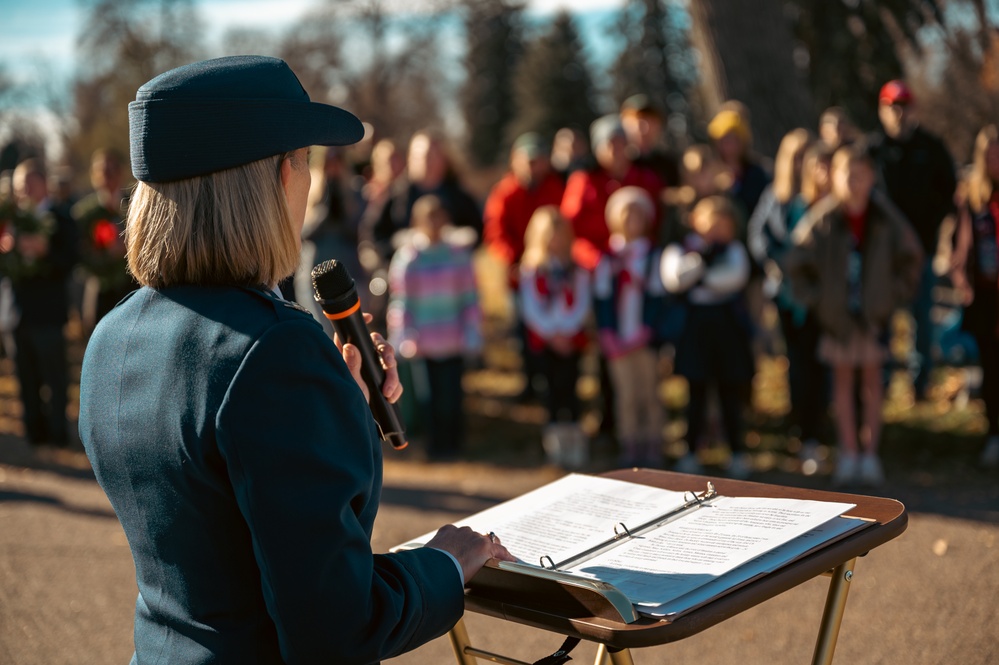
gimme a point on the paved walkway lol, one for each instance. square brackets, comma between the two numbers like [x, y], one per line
[67, 584]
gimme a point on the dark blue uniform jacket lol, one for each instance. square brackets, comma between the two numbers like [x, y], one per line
[243, 463]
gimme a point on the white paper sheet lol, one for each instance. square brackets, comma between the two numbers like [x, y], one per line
[672, 566]
[569, 516]
[765, 563]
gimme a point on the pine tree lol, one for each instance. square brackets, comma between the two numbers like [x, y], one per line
[553, 86]
[849, 51]
[789, 60]
[494, 34]
[655, 59]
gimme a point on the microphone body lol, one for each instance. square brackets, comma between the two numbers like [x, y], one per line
[336, 293]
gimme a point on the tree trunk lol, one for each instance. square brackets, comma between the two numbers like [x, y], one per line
[747, 54]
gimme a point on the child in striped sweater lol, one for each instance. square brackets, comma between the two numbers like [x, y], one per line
[434, 319]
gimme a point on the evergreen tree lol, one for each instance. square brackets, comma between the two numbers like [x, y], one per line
[553, 86]
[789, 60]
[851, 48]
[656, 57]
[494, 34]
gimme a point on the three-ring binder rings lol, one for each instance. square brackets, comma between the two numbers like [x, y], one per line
[656, 552]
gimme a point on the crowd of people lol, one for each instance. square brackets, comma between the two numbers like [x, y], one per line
[57, 254]
[611, 244]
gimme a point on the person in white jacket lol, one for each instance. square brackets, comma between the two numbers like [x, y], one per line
[555, 303]
[627, 291]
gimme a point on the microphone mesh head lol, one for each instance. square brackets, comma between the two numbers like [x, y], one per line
[330, 280]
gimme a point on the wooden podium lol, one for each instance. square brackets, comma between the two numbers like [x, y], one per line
[586, 613]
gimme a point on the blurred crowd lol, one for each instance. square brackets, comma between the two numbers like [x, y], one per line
[614, 246]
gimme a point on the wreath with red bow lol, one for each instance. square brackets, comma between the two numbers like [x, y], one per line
[16, 221]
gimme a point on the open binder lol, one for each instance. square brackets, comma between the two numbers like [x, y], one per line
[661, 561]
[601, 598]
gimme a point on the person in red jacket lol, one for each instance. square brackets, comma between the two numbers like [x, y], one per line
[587, 192]
[529, 185]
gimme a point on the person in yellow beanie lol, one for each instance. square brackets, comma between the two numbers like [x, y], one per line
[732, 139]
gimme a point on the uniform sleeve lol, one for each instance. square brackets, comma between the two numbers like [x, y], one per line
[304, 462]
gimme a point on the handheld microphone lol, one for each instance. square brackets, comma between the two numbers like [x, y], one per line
[337, 295]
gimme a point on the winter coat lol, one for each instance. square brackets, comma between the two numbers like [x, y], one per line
[818, 265]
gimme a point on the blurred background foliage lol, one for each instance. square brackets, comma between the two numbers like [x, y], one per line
[484, 71]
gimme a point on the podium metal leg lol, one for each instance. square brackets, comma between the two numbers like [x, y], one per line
[607, 657]
[469, 655]
[832, 615]
[459, 641]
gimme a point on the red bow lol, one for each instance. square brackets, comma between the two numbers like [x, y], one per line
[105, 234]
[625, 278]
[544, 290]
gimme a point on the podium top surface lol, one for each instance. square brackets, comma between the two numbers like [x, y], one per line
[889, 518]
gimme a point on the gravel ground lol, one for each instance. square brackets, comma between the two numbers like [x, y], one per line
[67, 588]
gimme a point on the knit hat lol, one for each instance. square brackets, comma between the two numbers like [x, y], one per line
[218, 114]
[532, 144]
[626, 196]
[728, 121]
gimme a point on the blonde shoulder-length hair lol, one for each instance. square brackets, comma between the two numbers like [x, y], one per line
[787, 169]
[545, 223]
[980, 183]
[817, 156]
[228, 228]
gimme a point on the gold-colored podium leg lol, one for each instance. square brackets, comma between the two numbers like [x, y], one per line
[469, 655]
[607, 657]
[832, 616]
[459, 640]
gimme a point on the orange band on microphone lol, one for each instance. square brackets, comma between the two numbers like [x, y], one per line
[344, 314]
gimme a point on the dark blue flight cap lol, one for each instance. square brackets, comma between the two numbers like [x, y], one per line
[217, 114]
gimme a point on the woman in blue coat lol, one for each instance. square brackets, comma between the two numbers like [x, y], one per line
[229, 433]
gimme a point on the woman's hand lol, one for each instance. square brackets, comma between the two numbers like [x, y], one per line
[392, 388]
[470, 548]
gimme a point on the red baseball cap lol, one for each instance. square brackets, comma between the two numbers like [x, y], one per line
[895, 92]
